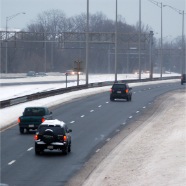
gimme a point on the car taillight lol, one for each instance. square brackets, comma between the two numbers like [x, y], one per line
[127, 90]
[18, 120]
[111, 90]
[64, 138]
[42, 120]
[36, 137]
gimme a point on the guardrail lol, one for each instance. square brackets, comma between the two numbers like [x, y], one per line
[39, 95]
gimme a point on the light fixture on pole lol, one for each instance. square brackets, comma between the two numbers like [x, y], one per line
[8, 19]
[183, 38]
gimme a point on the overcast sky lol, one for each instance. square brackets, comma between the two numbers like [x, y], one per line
[129, 9]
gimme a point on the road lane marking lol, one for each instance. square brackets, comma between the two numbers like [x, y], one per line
[13, 161]
[97, 150]
[107, 102]
[144, 107]
[123, 123]
[100, 106]
[117, 130]
[30, 148]
[72, 122]
[91, 110]
[82, 116]
[137, 111]
[130, 117]
[108, 139]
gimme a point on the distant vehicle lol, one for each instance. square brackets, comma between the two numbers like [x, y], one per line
[183, 79]
[32, 117]
[72, 72]
[41, 74]
[31, 73]
[53, 134]
[120, 91]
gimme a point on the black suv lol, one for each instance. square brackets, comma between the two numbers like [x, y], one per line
[183, 79]
[121, 91]
[53, 134]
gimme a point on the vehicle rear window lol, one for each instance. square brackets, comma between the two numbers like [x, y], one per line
[119, 86]
[34, 112]
[55, 129]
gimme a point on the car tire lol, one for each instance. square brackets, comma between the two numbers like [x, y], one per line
[69, 148]
[37, 150]
[21, 130]
[111, 99]
[50, 137]
[65, 151]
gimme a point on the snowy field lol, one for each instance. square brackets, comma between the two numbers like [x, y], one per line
[8, 92]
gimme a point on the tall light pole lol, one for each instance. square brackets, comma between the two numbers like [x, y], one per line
[183, 37]
[87, 43]
[159, 4]
[139, 42]
[6, 57]
[116, 40]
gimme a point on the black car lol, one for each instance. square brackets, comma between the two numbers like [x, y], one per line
[183, 79]
[53, 135]
[120, 91]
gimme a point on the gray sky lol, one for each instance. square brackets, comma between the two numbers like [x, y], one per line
[129, 9]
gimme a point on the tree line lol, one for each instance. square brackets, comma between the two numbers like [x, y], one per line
[50, 56]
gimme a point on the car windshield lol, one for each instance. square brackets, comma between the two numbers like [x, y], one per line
[34, 112]
[55, 129]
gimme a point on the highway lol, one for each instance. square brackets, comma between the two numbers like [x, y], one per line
[93, 120]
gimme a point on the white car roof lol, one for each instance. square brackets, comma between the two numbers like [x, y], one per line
[54, 122]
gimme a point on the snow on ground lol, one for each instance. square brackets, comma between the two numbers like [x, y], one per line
[8, 92]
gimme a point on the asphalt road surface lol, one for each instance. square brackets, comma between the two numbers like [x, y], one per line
[93, 120]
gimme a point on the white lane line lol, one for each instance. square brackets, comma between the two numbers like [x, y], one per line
[108, 139]
[100, 106]
[13, 161]
[134, 92]
[30, 148]
[72, 122]
[137, 111]
[130, 117]
[117, 130]
[91, 110]
[144, 107]
[97, 150]
[107, 102]
[82, 116]
[123, 123]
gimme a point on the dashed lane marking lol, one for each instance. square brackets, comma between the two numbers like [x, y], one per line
[108, 139]
[100, 106]
[13, 161]
[72, 122]
[30, 148]
[137, 111]
[91, 110]
[82, 116]
[144, 107]
[97, 150]
[130, 117]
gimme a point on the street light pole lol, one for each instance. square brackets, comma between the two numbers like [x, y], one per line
[6, 46]
[139, 47]
[160, 5]
[183, 38]
[87, 43]
[116, 42]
